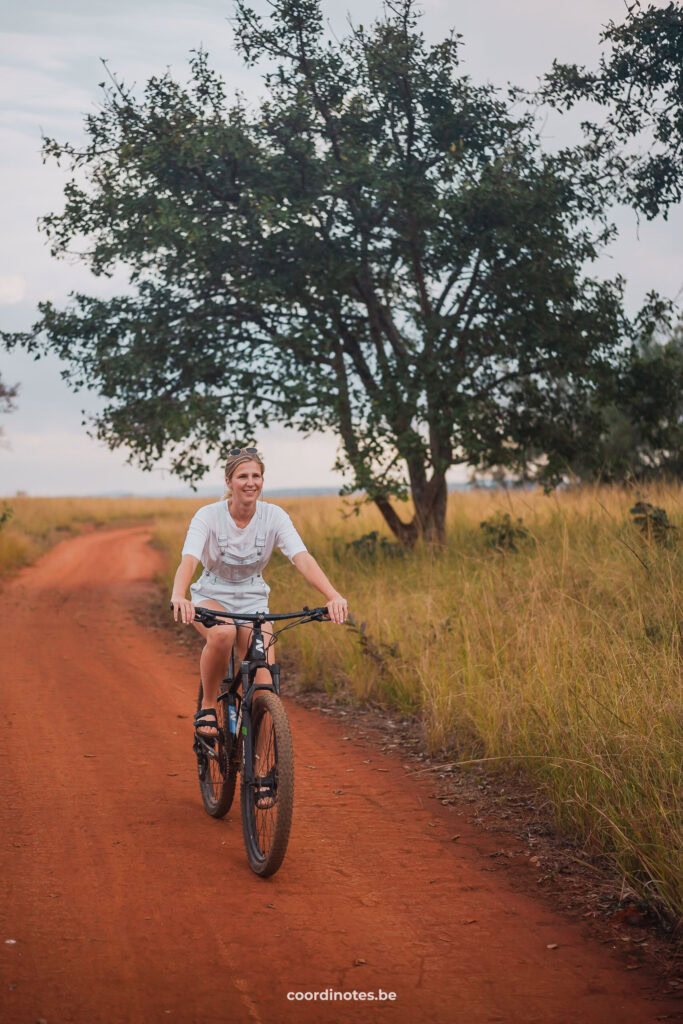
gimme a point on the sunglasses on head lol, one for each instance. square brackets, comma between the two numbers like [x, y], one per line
[243, 451]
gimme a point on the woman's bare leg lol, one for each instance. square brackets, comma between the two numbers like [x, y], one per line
[213, 663]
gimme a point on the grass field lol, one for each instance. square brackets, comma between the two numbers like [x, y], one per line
[561, 659]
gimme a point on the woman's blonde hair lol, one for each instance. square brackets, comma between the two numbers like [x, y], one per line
[236, 460]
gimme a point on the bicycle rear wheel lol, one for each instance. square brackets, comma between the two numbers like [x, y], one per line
[266, 827]
[216, 777]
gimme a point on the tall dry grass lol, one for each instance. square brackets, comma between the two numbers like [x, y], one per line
[563, 659]
[35, 524]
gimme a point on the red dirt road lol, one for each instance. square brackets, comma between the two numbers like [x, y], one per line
[128, 904]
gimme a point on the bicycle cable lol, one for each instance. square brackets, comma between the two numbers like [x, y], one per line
[299, 622]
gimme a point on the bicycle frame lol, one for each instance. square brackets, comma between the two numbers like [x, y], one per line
[255, 659]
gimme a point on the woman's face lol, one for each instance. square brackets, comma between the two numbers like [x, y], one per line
[246, 483]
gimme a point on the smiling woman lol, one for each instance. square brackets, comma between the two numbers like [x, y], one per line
[234, 539]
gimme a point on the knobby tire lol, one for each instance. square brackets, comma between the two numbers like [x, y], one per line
[266, 830]
[217, 785]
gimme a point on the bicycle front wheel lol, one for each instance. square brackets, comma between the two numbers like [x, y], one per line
[216, 776]
[268, 801]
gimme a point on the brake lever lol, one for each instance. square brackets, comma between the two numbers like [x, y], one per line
[207, 620]
[319, 615]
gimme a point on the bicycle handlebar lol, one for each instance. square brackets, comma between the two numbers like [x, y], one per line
[319, 614]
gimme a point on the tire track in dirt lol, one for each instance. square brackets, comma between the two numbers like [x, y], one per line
[129, 904]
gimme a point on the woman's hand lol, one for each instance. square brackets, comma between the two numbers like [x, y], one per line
[183, 577]
[337, 608]
[185, 607]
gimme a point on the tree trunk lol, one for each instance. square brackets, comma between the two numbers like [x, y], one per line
[407, 533]
[429, 521]
[430, 509]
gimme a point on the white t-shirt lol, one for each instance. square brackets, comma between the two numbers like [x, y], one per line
[202, 536]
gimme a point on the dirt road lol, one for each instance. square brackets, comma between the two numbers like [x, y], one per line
[123, 902]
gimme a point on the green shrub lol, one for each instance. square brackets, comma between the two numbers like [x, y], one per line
[370, 545]
[501, 533]
[653, 522]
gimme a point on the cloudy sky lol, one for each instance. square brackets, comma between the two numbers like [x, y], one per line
[49, 75]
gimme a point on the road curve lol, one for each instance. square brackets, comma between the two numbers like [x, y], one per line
[124, 902]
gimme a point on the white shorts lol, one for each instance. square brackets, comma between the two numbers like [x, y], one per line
[250, 596]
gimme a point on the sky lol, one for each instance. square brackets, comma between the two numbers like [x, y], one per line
[49, 73]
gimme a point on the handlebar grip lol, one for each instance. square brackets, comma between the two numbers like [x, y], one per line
[322, 612]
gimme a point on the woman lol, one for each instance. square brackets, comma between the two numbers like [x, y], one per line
[234, 540]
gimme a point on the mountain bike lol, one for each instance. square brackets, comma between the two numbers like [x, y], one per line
[254, 738]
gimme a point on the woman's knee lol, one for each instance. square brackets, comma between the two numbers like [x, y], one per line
[221, 638]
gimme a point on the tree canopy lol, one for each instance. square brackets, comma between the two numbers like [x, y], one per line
[380, 247]
[639, 86]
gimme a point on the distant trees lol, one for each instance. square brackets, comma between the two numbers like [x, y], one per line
[7, 396]
[642, 432]
[629, 429]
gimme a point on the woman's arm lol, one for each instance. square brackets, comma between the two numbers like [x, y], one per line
[313, 574]
[183, 578]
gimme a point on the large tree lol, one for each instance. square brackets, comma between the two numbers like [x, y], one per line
[380, 248]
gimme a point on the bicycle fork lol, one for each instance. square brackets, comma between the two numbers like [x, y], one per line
[266, 784]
